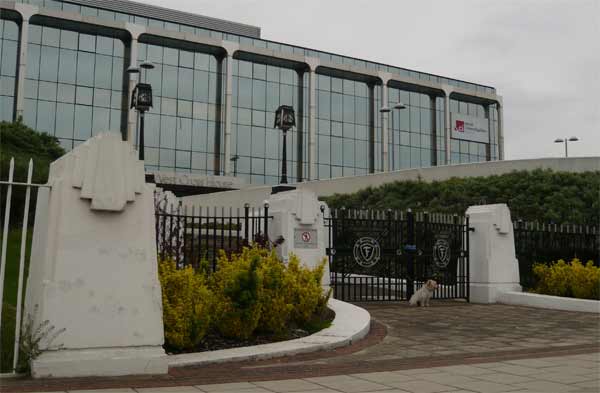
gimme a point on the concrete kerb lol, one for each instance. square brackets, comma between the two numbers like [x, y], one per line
[550, 302]
[351, 323]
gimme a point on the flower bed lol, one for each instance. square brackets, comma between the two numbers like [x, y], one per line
[253, 298]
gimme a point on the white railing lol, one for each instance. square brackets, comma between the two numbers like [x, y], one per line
[10, 183]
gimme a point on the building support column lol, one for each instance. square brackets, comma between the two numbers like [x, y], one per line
[447, 121]
[371, 88]
[300, 173]
[312, 118]
[434, 130]
[500, 130]
[488, 114]
[26, 12]
[385, 137]
[230, 49]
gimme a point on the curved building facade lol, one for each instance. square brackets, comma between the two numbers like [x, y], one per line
[216, 86]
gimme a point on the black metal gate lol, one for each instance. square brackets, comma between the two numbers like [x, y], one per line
[383, 256]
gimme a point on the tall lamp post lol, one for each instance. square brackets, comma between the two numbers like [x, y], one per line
[386, 109]
[141, 100]
[566, 142]
[285, 118]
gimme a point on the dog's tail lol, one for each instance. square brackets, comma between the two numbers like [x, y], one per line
[412, 301]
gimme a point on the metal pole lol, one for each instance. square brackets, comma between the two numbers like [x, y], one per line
[566, 148]
[410, 238]
[141, 147]
[284, 160]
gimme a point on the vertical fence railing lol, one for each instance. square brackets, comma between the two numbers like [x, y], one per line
[27, 186]
[195, 236]
[546, 243]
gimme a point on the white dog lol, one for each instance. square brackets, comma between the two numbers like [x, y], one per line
[422, 296]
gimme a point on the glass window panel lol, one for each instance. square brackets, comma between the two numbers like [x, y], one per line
[47, 91]
[168, 125]
[49, 68]
[259, 95]
[258, 142]
[87, 42]
[46, 117]
[83, 122]
[65, 116]
[169, 87]
[85, 95]
[50, 36]
[67, 70]
[185, 90]
[103, 72]
[171, 56]
[33, 60]
[69, 39]
[101, 120]
[85, 69]
[184, 134]
[102, 98]
[152, 130]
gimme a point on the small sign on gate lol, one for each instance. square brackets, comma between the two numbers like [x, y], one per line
[305, 238]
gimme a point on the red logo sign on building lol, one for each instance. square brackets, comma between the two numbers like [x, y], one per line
[460, 126]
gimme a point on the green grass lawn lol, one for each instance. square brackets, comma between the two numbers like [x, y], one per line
[10, 294]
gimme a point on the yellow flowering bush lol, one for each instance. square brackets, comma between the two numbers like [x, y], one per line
[250, 292]
[237, 286]
[571, 279]
[187, 304]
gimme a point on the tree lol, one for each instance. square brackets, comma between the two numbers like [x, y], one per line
[23, 143]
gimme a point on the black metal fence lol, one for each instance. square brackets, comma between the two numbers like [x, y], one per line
[195, 236]
[547, 243]
[388, 255]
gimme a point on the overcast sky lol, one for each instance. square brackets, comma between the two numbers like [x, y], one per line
[542, 56]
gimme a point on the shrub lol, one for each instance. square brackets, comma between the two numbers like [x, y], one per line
[250, 292]
[306, 294]
[187, 305]
[236, 286]
[568, 279]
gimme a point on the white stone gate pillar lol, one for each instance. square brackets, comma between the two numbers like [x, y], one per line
[493, 266]
[298, 218]
[93, 266]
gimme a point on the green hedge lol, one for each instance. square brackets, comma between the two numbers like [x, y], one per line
[539, 195]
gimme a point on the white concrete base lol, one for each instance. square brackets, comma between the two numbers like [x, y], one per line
[551, 302]
[351, 323]
[489, 293]
[102, 362]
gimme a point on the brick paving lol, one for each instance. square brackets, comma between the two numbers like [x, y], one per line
[526, 346]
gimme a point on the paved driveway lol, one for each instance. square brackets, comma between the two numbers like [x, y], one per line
[405, 340]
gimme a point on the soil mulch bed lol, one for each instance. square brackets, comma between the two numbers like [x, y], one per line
[214, 342]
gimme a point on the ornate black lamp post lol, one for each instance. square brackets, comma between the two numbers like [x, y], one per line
[141, 100]
[285, 118]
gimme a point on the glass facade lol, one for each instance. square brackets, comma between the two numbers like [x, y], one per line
[9, 49]
[74, 84]
[343, 118]
[183, 129]
[76, 87]
[258, 90]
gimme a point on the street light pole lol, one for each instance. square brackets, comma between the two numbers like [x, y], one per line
[386, 109]
[566, 142]
[285, 118]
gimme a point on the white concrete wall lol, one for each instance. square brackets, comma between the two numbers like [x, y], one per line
[346, 185]
[255, 195]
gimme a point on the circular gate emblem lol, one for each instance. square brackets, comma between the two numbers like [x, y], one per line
[441, 253]
[306, 237]
[367, 251]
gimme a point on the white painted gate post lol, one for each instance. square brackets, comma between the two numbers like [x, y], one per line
[493, 266]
